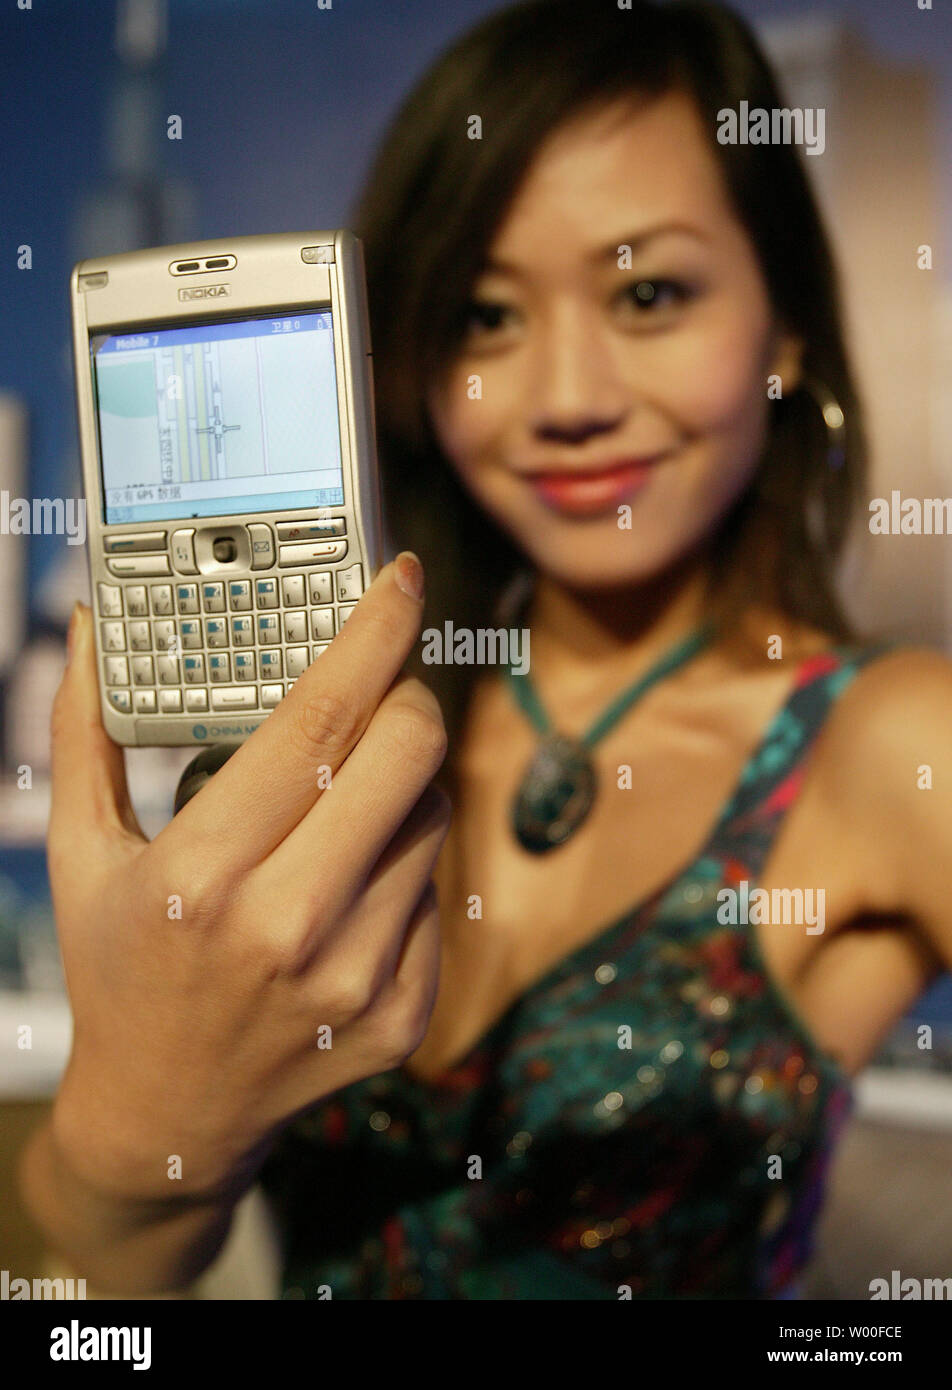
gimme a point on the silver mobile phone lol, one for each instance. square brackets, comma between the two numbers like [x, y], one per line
[226, 426]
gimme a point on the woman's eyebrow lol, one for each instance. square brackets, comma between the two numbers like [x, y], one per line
[609, 252]
[636, 240]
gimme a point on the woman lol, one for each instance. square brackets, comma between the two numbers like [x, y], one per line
[602, 344]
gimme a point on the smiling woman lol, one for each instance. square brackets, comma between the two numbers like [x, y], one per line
[690, 879]
[604, 339]
[598, 181]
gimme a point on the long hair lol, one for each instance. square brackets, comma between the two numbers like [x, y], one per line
[432, 202]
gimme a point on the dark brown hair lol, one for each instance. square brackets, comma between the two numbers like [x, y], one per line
[431, 205]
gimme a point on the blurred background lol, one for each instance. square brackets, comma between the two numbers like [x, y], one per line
[281, 106]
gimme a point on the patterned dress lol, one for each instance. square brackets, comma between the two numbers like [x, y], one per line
[651, 1119]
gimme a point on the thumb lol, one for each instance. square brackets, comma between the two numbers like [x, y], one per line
[90, 795]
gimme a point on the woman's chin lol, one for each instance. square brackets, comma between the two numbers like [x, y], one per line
[600, 567]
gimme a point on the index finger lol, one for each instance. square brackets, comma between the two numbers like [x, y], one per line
[271, 782]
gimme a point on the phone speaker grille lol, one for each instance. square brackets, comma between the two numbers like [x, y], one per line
[200, 267]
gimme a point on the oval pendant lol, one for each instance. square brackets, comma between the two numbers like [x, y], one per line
[555, 795]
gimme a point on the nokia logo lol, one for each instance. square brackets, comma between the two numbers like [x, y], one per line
[204, 292]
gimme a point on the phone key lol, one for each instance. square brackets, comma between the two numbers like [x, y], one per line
[271, 695]
[196, 701]
[350, 583]
[219, 668]
[137, 604]
[144, 701]
[193, 667]
[266, 593]
[239, 594]
[140, 564]
[312, 553]
[213, 598]
[292, 589]
[183, 551]
[298, 660]
[216, 632]
[343, 613]
[191, 630]
[168, 669]
[269, 633]
[242, 632]
[319, 650]
[140, 639]
[310, 530]
[110, 601]
[245, 666]
[141, 540]
[142, 671]
[235, 697]
[321, 588]
[270, 664]
[187, 596]
[113, 637]
[161, 599]
[295, 627]
[164, 634]
[322, 623]
[262, 547]
[116, 669]
[120, 700]
[170, 702]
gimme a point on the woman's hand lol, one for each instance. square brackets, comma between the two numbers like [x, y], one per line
[278, 940]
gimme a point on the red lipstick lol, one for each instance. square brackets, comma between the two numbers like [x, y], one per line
[592, 491]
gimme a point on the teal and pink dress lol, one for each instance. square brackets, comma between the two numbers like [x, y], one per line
[650, 1119]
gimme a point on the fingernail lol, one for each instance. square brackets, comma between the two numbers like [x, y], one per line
[71, 632]
[409, 574]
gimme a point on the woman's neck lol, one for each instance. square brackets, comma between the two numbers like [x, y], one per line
[588, 644]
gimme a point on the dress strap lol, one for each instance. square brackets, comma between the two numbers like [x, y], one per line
[774, 774]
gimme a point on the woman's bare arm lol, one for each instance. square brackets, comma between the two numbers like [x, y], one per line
[120, 1245]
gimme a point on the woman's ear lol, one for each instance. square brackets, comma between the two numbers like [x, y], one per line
[787, 359]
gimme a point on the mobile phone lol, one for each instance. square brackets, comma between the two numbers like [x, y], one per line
[226, 425]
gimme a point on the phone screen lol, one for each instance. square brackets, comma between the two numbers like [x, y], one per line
[214, 418]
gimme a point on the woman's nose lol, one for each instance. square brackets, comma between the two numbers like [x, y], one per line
[575, 388]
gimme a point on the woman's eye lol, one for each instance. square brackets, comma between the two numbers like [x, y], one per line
[647, 296]
[484, 315]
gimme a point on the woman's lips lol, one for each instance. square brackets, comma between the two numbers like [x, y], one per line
[593, 491]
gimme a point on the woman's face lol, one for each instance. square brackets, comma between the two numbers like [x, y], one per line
[608, 414]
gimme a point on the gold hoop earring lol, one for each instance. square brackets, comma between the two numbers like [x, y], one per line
[833, 418]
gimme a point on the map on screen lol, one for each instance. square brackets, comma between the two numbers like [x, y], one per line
[216, 418]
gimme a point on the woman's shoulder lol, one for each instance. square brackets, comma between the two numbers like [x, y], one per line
[900, 698]
[885, 758]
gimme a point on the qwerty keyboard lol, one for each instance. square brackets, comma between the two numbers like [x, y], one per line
[194, 645]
